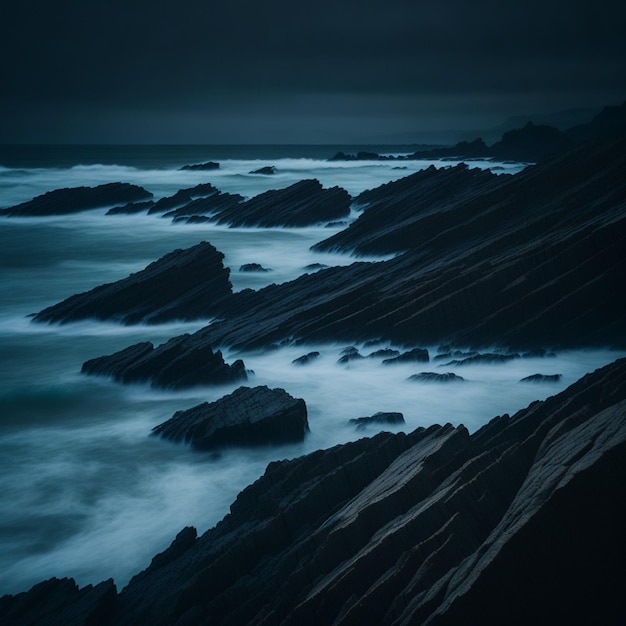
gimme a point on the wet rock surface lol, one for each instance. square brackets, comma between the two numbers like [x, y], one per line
[542, 378]
[76, 199]
[503, 526]
[435, 377]
[249, 416]
[382, 417]
[184, 284]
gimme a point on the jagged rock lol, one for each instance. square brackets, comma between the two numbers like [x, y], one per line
[267, 170]
[350, 354]
[378, 418]
[428, 377]
[542, 378]
[183, 197]
[521, 522]
[458, 354]
[248, 416]
[209, 165]
[314, 267]
[302, 204]
[487, 357]
[174, 364]
[253, 267]
[60, 602]
[130, 208]
[75, 199]
[305, 359]
[184, 284]
[416, 354]
[205, 207]
[383, 353]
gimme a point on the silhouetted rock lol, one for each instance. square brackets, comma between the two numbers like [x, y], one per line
[305, 359]
[434, 377]
[381, 417]
[521, 522]
[416, 354]
[205, 208]
[130, 208]
[248, 416]
[253, 267]
[209, 165]
[183, 197]
[302, 204]
[175, 364]
[488, 357]
[350, 354]
[267, 170]
[314, 267]
[383, 353]
[75, 199]
[542, 378]
[534, 142]
[184, 284]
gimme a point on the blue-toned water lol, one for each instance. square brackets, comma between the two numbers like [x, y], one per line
[85, 491]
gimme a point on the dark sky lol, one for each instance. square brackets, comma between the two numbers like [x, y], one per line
[298, 71]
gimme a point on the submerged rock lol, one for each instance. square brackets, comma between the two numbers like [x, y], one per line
[130, 208]
[248, 416]
[267, 170]
[417, 354]
[381, 417]
[542, 378]
[305, 359]
[428, 377]
[209, 165]
[75, 199]
[253, 267]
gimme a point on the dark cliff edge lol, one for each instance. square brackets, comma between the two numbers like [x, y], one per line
[520, 522]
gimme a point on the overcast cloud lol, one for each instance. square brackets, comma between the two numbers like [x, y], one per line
[278, 71]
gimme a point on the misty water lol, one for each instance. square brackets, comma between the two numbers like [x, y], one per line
[85, 491]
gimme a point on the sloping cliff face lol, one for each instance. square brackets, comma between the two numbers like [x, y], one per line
[521, 522]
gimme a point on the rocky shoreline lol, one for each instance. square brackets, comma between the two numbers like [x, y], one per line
[519, 522]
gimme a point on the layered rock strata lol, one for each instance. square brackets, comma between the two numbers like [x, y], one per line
[75, 199]
[248, 416]
[520, 522]
[182, 285]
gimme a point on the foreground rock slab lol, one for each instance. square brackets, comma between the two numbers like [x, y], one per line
[248, 416]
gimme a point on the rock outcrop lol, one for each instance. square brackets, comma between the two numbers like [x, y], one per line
[76, 199]
[184, 284]
[533, 260]
[435, 377]
[248, 416]
[302, 204]
[209, 165]
[174, 364]
[521, 522]
[382, 417]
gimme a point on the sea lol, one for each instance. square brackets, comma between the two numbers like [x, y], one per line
[85, 490]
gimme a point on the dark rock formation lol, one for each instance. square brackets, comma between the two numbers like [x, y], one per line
[267, 170]
[386, 353]
[488, 357]
[174, 364]
[253, 267]
[60, 602]
[75, 199]
[305, 359]
[350, 354]
[525, 261]
[205, 208]
[534, 142]
[416, 354]
[130, 208]
[184, 284]
[520, 523]
[248, 416]
[183, 197]
[381, 417]
[302, 204]
[314, 267]
[209, 165]
[542, 378]
[429, 377]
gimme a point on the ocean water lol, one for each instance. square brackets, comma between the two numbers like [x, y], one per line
[85, 490]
